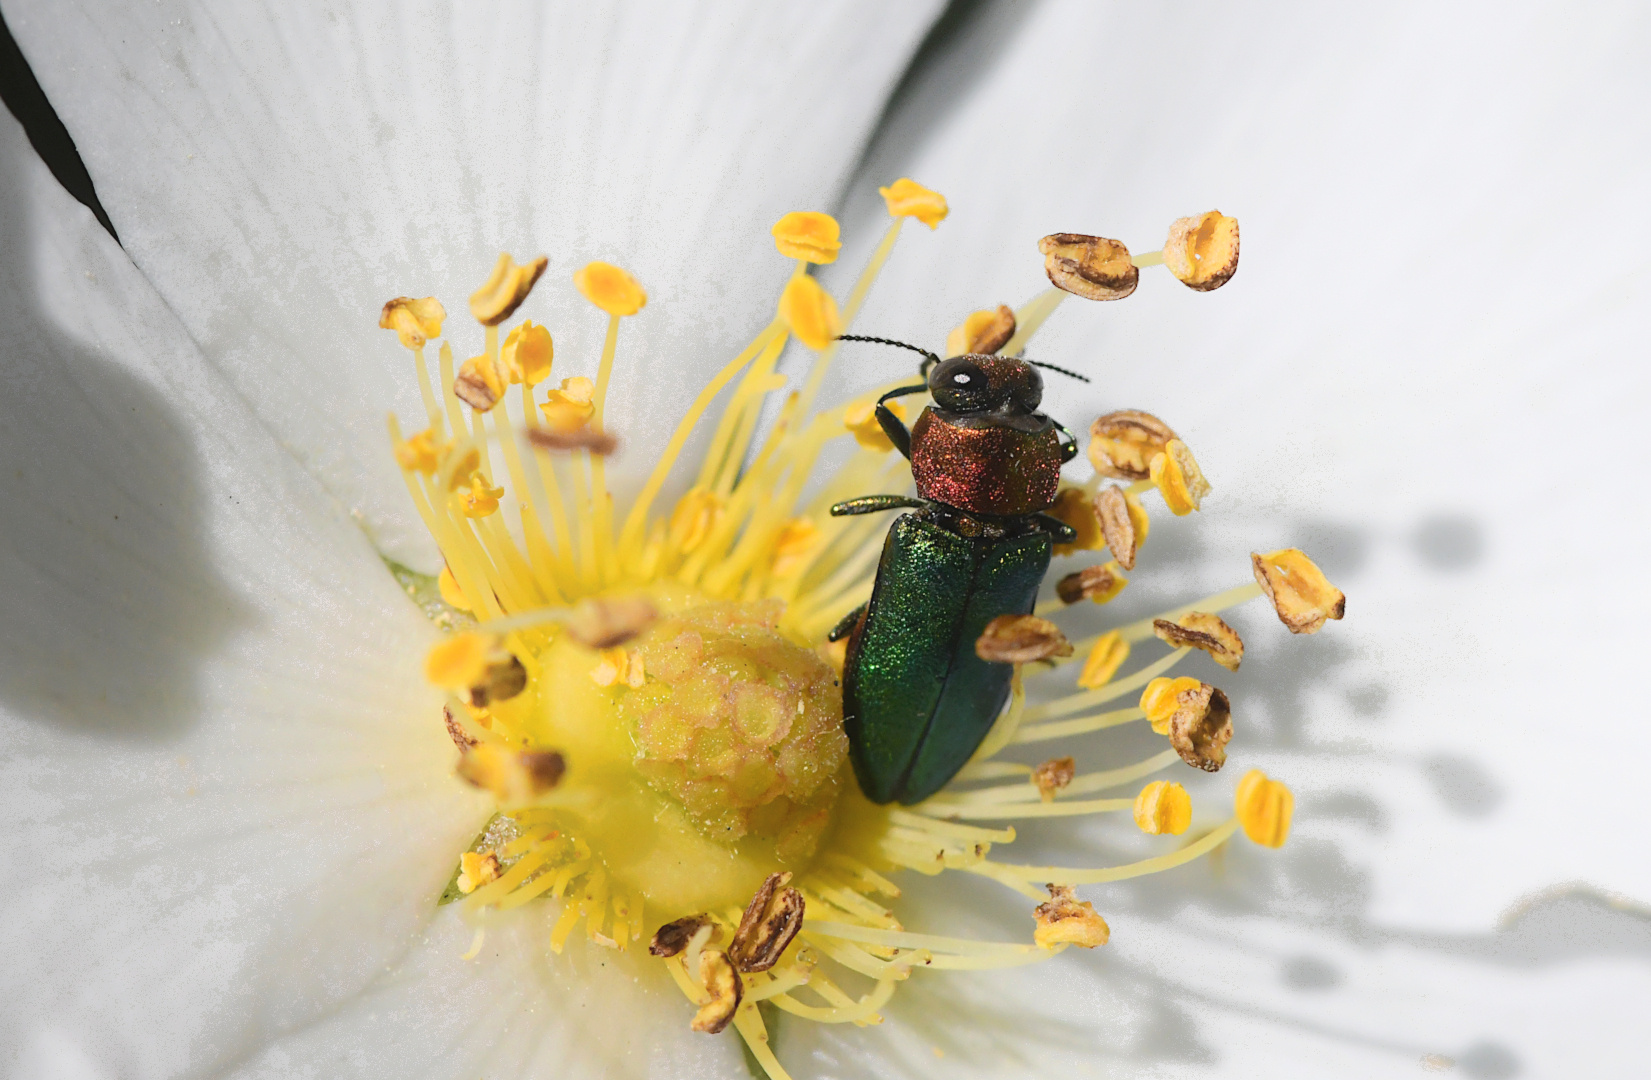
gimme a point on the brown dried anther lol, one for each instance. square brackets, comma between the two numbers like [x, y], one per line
[585, 438]
[1053, 775]
[1021, 639]
[1202, 630]
[1097, 583]
[723, 989]
[1122, 444]
[1203, 250]
[455, 731]
[513, 776]
[1063, 919]
[1201, 727]
[608, 622]
[673, 937]
[1123, 523]
[771, 920]
[505, 289]
[1301, 594]
[1092, 267]
[478, 384]
[503, 681]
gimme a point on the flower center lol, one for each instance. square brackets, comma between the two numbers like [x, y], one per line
[703, 755]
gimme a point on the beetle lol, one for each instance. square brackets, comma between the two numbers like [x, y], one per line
[917, 700]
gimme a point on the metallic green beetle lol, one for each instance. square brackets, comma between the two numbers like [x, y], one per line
[917, 701]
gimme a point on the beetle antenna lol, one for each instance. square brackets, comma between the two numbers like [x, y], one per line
[929, 358]
[1063, 371]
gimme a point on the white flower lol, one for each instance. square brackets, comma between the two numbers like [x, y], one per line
[221, 860]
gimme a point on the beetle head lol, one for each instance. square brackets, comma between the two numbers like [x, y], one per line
[979, 384]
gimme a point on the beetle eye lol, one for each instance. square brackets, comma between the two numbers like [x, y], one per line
[959, 385]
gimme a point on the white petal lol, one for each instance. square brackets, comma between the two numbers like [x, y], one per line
[1419, 374]
[515, 1011]
[279, 173]
[226, 788]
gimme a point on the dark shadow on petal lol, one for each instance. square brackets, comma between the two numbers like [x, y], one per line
[22, 94]
[110, 602]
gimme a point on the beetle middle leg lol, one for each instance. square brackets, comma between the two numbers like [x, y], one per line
[845, 626]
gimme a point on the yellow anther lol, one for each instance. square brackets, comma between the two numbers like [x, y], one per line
[1202, 630]
[1103, 661]
[1097, 583]
[422, 453]
[477, 868]
[1163, 807]
[1178, 478]
[448, 586]
[616, 666]
[480, 500]
[982, 332]
[907, 198]
[794, 546]
[861, 420]
[527, 353]
[1122, 444]
[513, 776]
[1161, 698]
[414, 321]
[610, 288]
[1301, 594]
[807, 234]
[505, 289]
[478, 384]
[1202, 250]
[1073, 506]
[695, 516]
[571, 407]
[461, 661]
[810, 313]
[1092, 267]
[1263, 808]
[1065, 920]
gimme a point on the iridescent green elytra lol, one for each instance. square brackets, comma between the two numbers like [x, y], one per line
[917, 699]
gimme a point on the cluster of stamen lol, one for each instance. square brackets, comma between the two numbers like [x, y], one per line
[648, 695]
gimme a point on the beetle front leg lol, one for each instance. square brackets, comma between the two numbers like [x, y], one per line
[1060, 531]
[1069, 450]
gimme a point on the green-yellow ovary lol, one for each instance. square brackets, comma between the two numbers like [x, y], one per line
[724, 766]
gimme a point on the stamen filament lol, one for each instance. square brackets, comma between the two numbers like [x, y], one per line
[1073, 702]
[1080, 726]
[1038, 809]
[1066, 875]
[1029, 317]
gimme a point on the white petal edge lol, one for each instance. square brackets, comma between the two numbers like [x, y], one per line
[227, 791]
[280, 173]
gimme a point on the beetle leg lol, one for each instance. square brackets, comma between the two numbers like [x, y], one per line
[1055, 527]
[845, 625]
[1069, 450]
[891, 424]
[876, 504]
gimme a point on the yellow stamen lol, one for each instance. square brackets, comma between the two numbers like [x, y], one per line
[1178, 478]
[1264, 808]
[610, 288]
[808, 235]
[810, 313]
[1163, 807]
[527, 354]
[414, 321]
[907, 198]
